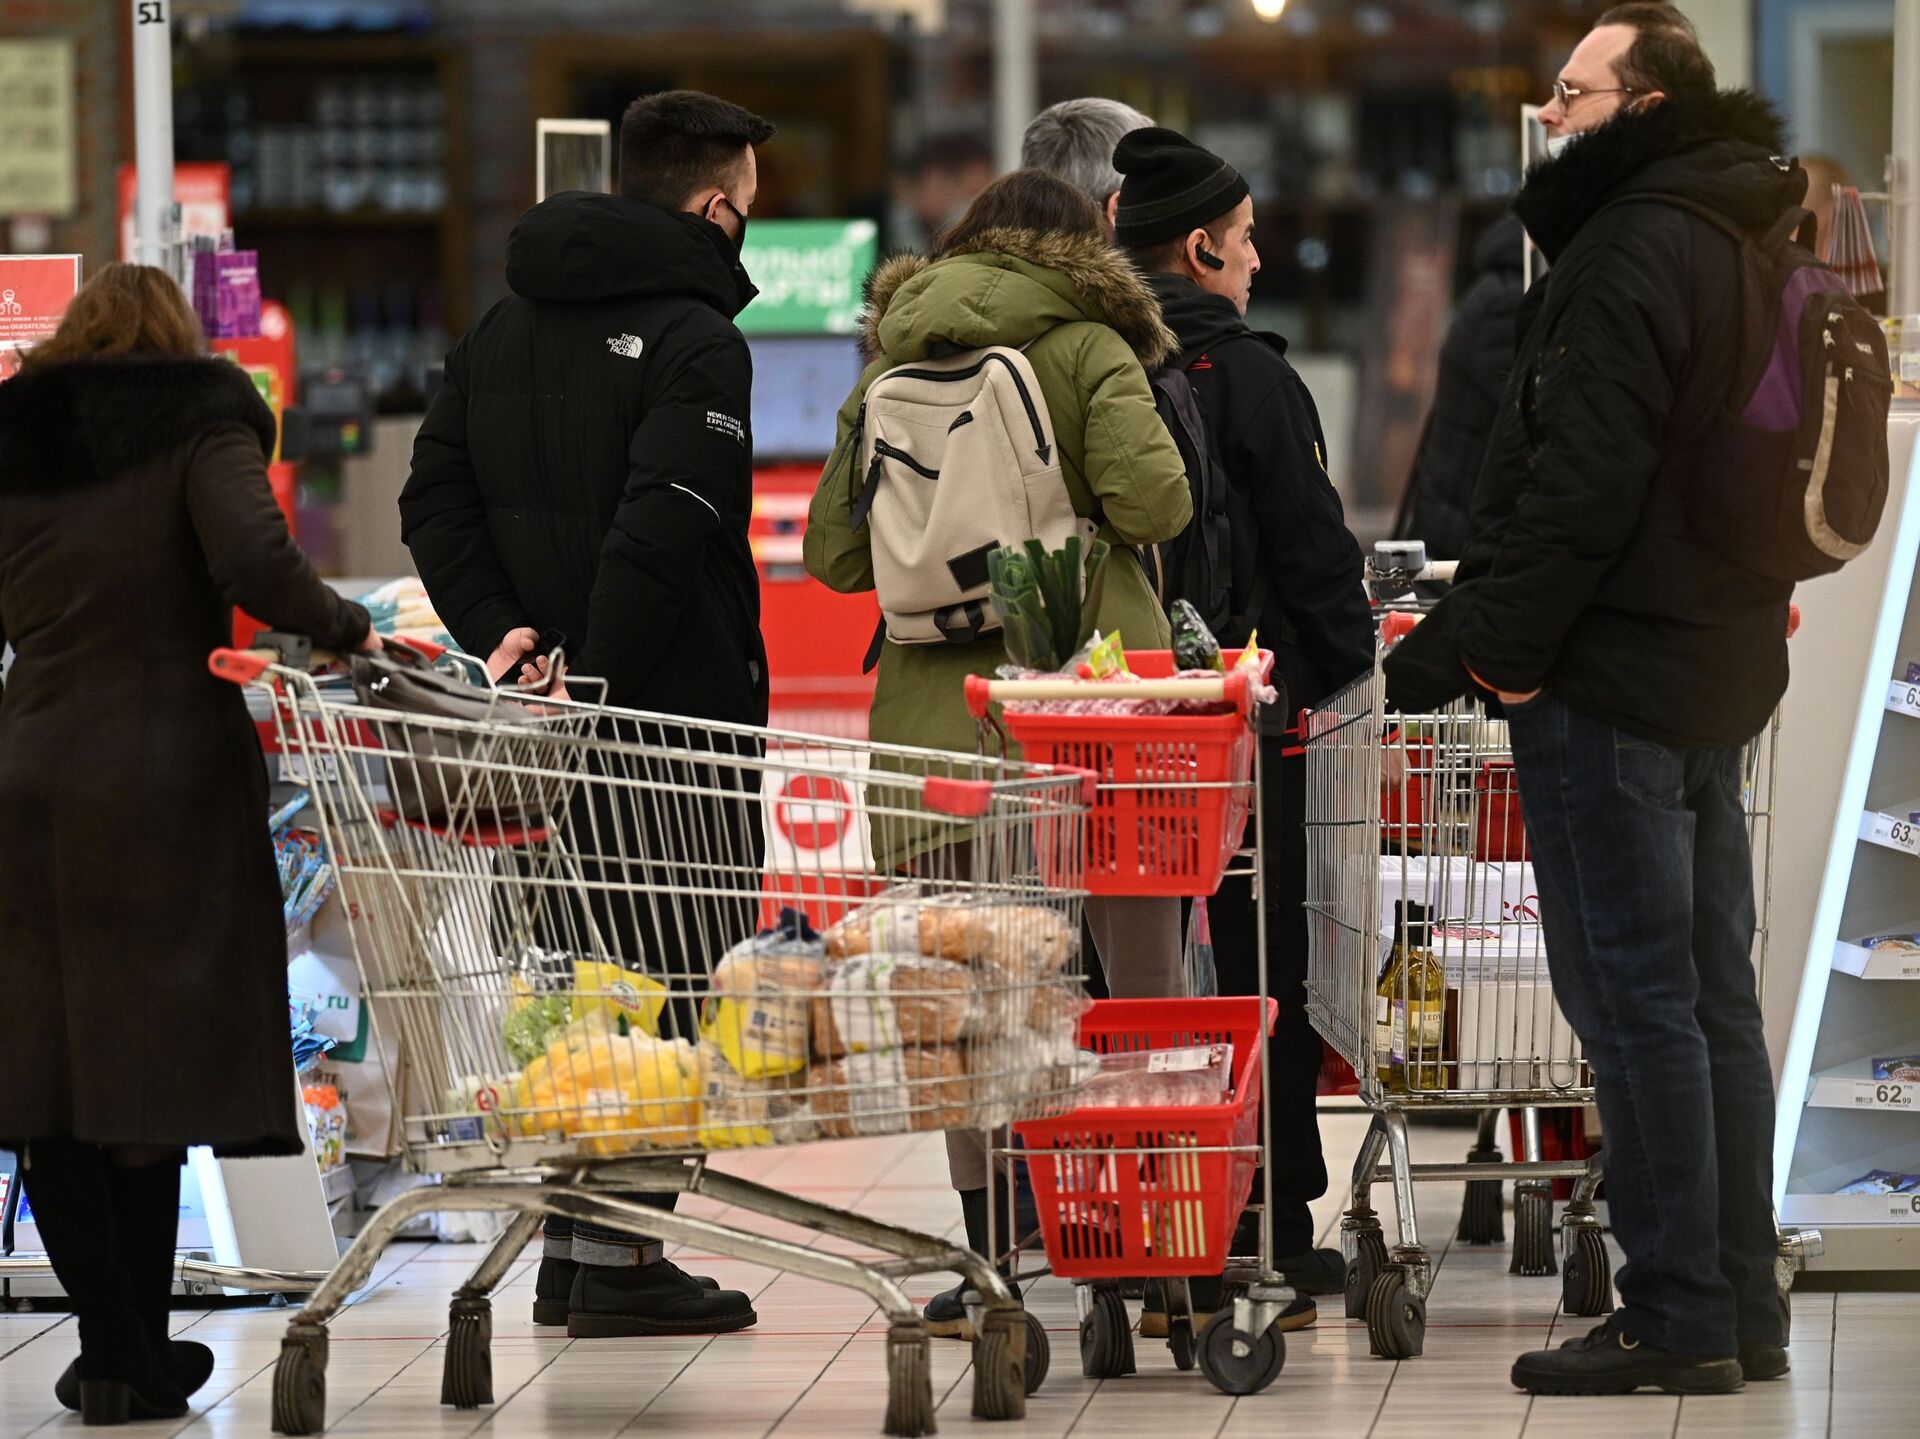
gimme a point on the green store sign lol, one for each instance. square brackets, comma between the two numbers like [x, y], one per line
[811, 274]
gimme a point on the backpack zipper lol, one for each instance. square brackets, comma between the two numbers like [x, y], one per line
[1041, 447]
[883, 450]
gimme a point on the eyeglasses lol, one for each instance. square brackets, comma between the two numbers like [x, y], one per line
[1566, 94]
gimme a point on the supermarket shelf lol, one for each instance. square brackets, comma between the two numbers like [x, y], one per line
[1841, 1209]
[1852, 1086]
[1904, 698]
[1875, 964]
[337, 1184]
[1891, 831]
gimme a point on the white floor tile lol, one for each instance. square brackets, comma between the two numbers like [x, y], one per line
[815, 1367]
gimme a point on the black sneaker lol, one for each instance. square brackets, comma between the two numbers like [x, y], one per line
[1605, 1361]
[553, 1290]
[657, 1298]
[947, 1314]
[1764, 1361]
[1318, 1271]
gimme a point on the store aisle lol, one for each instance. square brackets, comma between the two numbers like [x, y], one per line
[814, 1367]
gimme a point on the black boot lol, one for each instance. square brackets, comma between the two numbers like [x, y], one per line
[119, 1375]
[947, 1311]
[1607, 1361]
[1764, 1361]
[655, 1297]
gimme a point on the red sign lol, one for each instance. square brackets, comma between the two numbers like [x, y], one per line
[201, 189]
[812, 811]
[34, 290]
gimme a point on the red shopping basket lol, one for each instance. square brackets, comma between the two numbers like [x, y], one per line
[1118, 1195]
[1164, 821]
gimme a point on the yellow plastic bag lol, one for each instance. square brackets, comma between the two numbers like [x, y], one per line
[619, 994]
[634, 1090]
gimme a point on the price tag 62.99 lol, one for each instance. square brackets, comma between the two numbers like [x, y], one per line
[1904, 1208]
[1883, 1094]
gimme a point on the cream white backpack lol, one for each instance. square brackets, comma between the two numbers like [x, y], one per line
[959, 459]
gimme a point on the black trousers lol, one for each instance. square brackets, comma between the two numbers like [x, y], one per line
[1293, 1054]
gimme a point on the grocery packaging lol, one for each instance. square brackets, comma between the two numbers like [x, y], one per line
[621, 993]
[741, 1113]
[891, 1091]
[327, 1123]
[1904, 1067]
[1195, 1074]
[1882, 1181]
[1194, 647]
[759, 1013]
[631, 1088]
[886, 1001]
[1025, 941]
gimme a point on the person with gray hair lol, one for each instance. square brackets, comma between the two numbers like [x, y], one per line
[1075, 140]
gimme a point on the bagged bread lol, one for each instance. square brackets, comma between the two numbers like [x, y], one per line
[878, 1002]
[1027, 941]
[741, 1113]
[892, 1092]
[759, 1014]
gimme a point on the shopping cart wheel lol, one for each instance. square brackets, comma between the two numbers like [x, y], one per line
[1396, 1316]
[466, 1379]
[1106, 1337]
[300, 1381]
[1533, 1229]
[1482, 1217]
[1369, 1258]
[1001, 1356]
[1180, 1340]
[1586, 1289]
[909, 1380]
[1233, 1373]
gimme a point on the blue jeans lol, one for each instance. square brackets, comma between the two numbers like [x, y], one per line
[1646, 891]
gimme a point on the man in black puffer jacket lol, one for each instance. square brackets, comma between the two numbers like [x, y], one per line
[1474, 364]
[586, 470]
[1634, 664]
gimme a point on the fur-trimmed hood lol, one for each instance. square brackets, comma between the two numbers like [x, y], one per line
[1718, 149]
[85, 421]
[1006, 287]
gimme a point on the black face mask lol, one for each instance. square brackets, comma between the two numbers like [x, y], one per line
[740, 239]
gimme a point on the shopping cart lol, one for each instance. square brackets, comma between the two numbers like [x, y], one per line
[554, 910]
[1428, 973]
[1145, 1191]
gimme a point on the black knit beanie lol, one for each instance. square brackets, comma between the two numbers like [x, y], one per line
[1172, 187]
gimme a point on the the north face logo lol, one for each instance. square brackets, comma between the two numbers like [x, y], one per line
[627, 346]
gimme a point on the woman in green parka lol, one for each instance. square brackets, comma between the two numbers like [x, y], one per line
[1030, 265]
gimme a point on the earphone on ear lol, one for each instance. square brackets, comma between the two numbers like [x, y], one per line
[1209, 259]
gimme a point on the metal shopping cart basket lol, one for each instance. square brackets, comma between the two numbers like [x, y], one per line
[1143, 1190]
[591, 982]
[1428, 973]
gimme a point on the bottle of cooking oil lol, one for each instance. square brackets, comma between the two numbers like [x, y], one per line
[1415, 988]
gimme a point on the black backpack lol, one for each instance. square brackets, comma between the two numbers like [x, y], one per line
[1791, 478]
[1197, 565]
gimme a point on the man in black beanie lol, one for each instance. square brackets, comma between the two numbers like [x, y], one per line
[1185, 217]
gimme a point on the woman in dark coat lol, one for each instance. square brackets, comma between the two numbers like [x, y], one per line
[142, 949]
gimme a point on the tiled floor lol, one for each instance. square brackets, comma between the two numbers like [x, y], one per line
[814, 1368]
